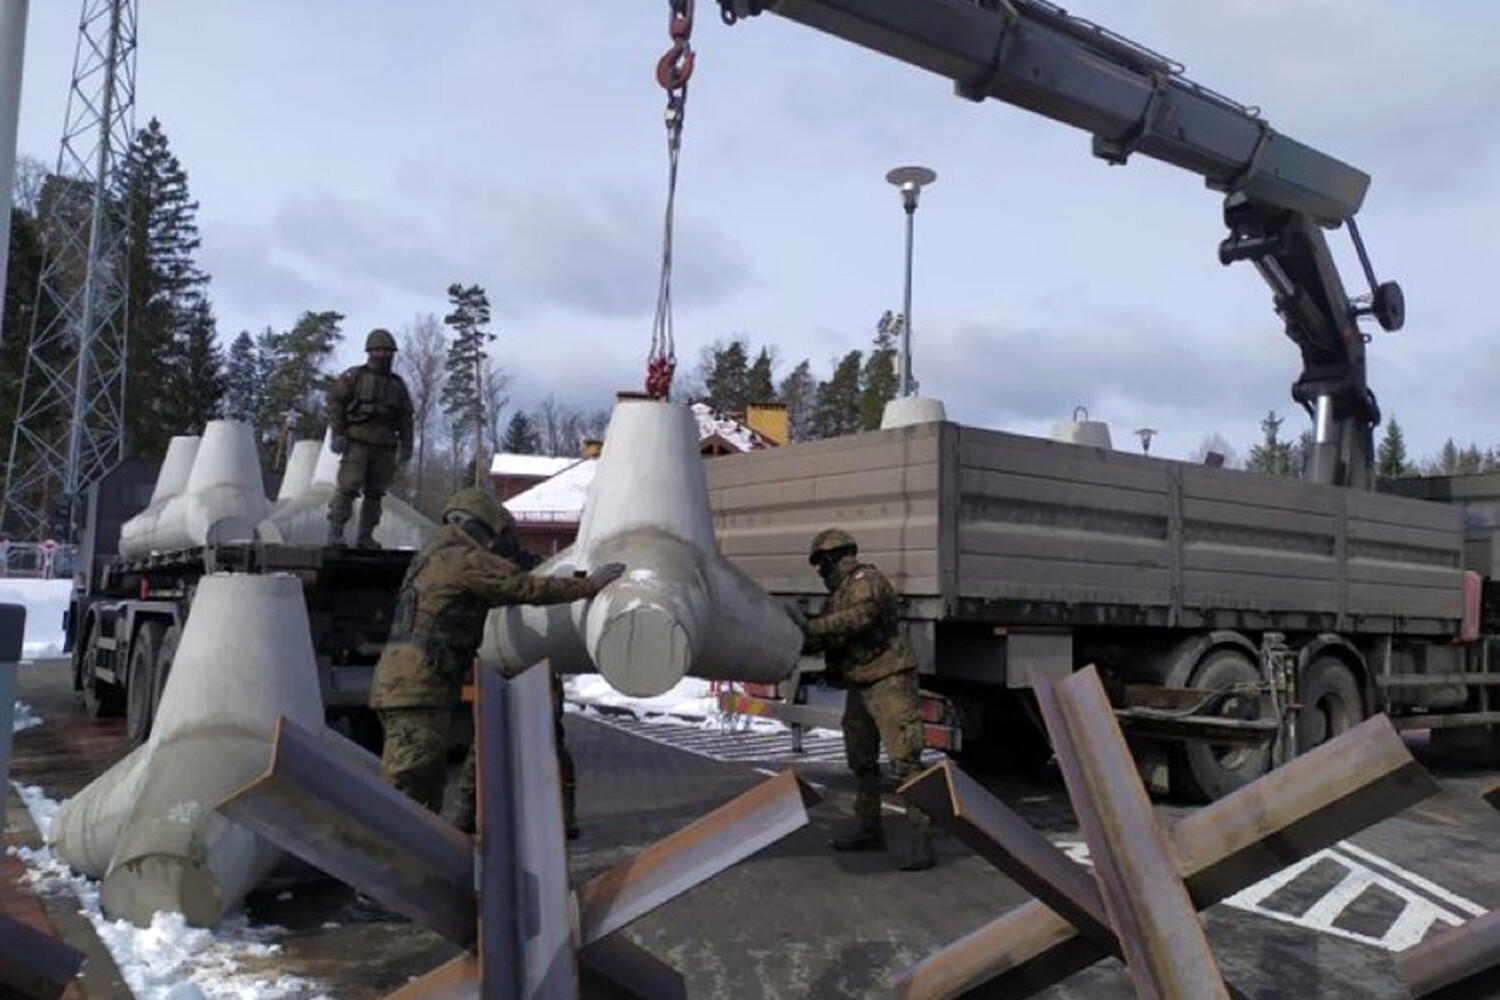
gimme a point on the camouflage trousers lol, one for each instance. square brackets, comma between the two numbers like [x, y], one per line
[415, 759]
[887, 711]
[363, 468]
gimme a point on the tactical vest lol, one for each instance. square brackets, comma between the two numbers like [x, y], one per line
[875, 651]
[448, 632]
[377, 398]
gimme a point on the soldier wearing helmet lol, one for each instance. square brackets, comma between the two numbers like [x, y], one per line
[370, 417]
[859, 635]
[472, 564]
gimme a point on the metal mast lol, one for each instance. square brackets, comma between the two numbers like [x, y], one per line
[70, 424]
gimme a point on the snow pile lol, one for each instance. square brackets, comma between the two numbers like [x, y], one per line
[24, 718]
[168, 960]
[692, 702]
[560, 498]
[46, 601]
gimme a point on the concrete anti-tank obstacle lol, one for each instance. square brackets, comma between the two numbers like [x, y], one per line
[222, 501]
[301, 518]
[683, 609]
[906, 411]
[300, 466]
[245, 660]
[182, 450]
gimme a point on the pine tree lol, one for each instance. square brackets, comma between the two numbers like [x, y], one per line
[1272, 455]
[760, 386]
[244, 388]
[838, 400]
[17, 313]
[176, 368]
[1470, 460]
[799, 394]
[520, 437]
[1447, 463]
[1491, 461]
[1390, 456]
[727, 381]
[880, 378]
[464, 392]
[295, 383]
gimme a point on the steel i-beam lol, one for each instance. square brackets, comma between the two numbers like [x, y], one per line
[1310, 803]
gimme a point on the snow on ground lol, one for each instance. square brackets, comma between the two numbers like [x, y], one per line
[693, 702]
[168, 960]
[45, 601]
[24, 718]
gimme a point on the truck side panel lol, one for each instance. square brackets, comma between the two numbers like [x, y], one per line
[883, 487]
[1025, 531]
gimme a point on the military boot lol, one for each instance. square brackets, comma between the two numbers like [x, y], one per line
[369, 517]
[919, 855]
[336, 533]
[867, 835]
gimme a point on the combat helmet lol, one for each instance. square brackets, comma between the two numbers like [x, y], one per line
[380, 339]
[474, 503]
[831, 540]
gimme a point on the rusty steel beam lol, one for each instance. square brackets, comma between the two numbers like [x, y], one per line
[455, 979]
[540, 852]
[502, 946]
[1165, 947]
[992, 830]
[1312, 802]
[33, 965]
[317, 803]
[616, 968]
[693, 855]
[1455, 961]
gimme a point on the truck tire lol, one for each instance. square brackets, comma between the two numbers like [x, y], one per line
[140, 682]
[1204, 771]
[1331, 702]
[100, 700]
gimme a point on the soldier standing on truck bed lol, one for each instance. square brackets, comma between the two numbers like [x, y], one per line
[370, 414]
[863, 648]
[472, 564]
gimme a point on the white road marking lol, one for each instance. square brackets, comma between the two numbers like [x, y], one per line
[1424, 904]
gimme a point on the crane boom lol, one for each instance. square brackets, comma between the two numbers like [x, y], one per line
[1280, 194]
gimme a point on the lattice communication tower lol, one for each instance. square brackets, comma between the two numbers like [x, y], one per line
[70, 423]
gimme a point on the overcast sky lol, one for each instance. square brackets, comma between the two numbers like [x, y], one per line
[359, 157]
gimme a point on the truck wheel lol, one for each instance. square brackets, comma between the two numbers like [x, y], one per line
[1208, 771]
[100, 700]
[140, 682]
[1331, 702]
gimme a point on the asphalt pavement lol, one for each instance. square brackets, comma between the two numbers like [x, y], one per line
[798, 921]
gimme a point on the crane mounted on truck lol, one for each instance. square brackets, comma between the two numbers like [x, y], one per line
[1279, 194]
[1243, 619]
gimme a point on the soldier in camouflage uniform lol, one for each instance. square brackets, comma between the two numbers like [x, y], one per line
[370, 414]
[472, 564]
[864, 649]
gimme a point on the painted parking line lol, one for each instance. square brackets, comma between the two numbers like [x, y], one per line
[1415, 905]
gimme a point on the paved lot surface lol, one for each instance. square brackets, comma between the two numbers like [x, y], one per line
[799, 921]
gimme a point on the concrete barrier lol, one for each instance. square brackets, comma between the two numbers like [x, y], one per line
[682, 609]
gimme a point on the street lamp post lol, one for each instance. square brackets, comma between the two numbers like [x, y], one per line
[910, 181]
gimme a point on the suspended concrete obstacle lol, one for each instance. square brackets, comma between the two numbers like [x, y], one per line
[147, 826]
[682, 609]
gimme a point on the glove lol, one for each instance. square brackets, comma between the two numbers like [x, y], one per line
[603, 576]
[338, 444]
[795, 613]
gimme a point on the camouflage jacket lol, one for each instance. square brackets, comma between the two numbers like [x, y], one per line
[370, 406]
[439, 620]
[858, 631]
